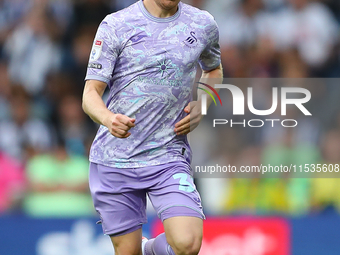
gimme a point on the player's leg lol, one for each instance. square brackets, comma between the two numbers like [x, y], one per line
[128, 244]
[178, 204]
[184, 234]
[121, 206]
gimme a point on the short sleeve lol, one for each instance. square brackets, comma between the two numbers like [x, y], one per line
[211, 55]
[104, 53]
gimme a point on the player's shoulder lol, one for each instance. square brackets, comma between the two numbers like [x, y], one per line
[200, 16]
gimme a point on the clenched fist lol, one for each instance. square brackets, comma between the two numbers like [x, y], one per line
[119, 125]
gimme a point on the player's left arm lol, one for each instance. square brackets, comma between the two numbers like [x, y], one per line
[210, 62]
[190, 122]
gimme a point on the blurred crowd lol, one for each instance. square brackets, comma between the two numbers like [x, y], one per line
[45, 136]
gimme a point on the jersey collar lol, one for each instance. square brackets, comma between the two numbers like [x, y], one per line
[160, 20]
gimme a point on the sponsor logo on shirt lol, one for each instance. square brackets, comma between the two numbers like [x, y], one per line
[137, 38]
[160, 82]
[96, 50]
[191, 41]
[165, 66]
[95, 66]
[98, 43]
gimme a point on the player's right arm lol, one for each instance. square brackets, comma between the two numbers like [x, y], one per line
[104, 54]
[94, 106]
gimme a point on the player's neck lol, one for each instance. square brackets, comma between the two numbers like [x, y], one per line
[157, 10]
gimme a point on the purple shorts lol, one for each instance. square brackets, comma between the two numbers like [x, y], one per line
[119, 195]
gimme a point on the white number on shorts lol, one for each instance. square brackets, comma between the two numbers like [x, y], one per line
[184, 184]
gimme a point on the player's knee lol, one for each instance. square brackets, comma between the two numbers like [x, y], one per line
[187, 245]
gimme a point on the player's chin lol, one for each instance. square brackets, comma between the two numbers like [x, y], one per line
[170, 4]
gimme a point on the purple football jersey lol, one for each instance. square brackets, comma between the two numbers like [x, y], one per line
[150, 65]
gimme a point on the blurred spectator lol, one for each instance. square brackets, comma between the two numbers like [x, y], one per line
[58, 185]
[263, 59]
[240, 24]
[309, 27]
[218, 8]
[245, 193]
[274, 5]
[118, 5]
[32, 51]
[292, 66]
[292, 151]
[12, 183]
[326, 191]
[334, 6]
[196, 3]
[73, 126]
[244, 52]
[234, 62]
[4, 92]
[11, 12]
[23, 130]
[89, 13]
[62, 11]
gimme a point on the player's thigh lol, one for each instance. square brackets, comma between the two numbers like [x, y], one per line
[178, 204]
[175, 193]
[184, 234]
[121, 207]
[128, 244]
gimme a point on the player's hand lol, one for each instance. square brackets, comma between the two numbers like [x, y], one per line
[119, 125]
[190, 122]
